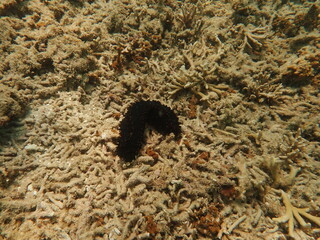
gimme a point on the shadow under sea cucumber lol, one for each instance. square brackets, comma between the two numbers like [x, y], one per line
[138, 116]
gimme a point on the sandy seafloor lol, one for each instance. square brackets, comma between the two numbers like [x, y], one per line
[243, 78]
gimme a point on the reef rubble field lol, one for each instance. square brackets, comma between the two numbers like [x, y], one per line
[243, 78]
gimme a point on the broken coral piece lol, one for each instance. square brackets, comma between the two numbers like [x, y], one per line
[294, 212]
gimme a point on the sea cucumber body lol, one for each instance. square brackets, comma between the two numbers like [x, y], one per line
[133, 125]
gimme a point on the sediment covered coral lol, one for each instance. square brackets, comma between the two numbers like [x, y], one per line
[246, 89]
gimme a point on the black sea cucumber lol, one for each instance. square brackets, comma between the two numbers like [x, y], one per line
[133, 125]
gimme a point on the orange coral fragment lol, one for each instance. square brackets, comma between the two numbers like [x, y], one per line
[207, 221]
[150, 152]
[151, 225]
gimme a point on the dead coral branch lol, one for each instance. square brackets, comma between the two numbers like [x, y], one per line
[295, 213]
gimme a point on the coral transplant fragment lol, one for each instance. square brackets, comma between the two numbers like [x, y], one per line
[138, 116]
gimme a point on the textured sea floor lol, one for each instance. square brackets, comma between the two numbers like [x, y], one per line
[243, 78]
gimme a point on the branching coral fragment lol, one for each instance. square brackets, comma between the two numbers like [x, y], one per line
[253, 38]
[293, 212]
[266, 92]
[196, 83]
[187, 15]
